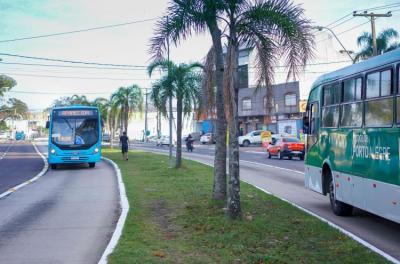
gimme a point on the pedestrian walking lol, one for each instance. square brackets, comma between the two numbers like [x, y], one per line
[124, 142]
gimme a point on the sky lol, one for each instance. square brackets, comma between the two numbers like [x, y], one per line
[39, 86]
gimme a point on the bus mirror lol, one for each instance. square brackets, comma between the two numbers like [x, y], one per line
[47, 124]
[102, 123]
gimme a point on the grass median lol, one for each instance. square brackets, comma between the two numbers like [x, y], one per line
[173, 220]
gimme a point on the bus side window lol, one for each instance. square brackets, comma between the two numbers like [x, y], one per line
[314, 110]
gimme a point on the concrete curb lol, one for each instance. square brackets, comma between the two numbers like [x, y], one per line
[40, 174]
[123, 200]
[344, 231]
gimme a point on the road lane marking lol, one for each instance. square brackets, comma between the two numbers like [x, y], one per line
[255, 152]
[344, 231]
[123, 200]
[40, 174]
[5, 152]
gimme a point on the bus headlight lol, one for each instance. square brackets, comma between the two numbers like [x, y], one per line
[96, 150]
[53, 151]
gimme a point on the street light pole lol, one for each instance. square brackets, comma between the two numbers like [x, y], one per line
[320, 28]
[372, 16]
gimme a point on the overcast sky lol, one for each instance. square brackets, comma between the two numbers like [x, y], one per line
[39, 86]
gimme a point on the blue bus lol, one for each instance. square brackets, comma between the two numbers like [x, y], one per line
[74, 135]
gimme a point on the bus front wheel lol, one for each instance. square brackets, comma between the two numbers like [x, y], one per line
[92, 164]
[338, 207]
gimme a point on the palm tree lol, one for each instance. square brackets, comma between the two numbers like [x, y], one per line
[6, 83]
[182, 83]
[104, 108]
[386, 40]
[125, 101]
[196, 16]
[276, 29]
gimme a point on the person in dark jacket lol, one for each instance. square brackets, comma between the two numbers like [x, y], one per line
[124, 142]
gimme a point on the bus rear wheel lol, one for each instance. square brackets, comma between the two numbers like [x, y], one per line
[338, 207]
[53, 166]
[92, 164]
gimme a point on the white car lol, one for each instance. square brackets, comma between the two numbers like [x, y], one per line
[207, 138]
[163, 140]
[253, 137]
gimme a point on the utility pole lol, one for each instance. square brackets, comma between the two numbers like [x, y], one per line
[372, 17]
[170, 103]
[145, 118]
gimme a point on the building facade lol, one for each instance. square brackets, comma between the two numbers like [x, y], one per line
[253, 114]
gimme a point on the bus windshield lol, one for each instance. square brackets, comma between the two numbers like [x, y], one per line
[77, 132]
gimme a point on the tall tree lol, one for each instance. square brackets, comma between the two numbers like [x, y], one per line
[127, 100]
[6, 83]
[104, 106]
[183, 18]
[386, 40]
[181, 83]
[15, 109]
[277, 30]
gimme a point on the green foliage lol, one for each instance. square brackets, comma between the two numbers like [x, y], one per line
[387, 40]
[182, 83]
[172, 220]
[14, 108]
[6, 83]
[3, 125]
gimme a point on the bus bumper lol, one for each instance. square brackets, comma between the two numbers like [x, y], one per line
[76, 156]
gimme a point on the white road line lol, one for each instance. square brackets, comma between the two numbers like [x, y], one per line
[123, 200]
[255, 152]
[40, 174]
[344, 231]
[5, 152]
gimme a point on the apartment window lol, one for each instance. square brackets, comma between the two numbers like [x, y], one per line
[290, 99]
[246, 104]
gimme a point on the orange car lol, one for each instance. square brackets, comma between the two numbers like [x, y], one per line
[286, 147]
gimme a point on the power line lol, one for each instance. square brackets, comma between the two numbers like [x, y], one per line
[78, 31]
[76, 77]
[72, 66]
[71, 61]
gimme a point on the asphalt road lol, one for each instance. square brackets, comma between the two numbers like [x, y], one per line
[67, 216]
[18, 162]
[281, 179]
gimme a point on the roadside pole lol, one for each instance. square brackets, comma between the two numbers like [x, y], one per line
[372, 17]
[145, 117]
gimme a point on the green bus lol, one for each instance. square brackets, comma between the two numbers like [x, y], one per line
[353, 137]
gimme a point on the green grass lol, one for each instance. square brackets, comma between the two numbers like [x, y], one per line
[173, 220]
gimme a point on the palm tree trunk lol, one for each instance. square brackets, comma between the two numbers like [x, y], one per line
[234, 207]
[219, 187]
[178, 161]
[126, 119]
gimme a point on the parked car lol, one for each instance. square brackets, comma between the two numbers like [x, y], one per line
[152, 139]
[253, 137]
[207, 138]
[286, 147]
[163, 140]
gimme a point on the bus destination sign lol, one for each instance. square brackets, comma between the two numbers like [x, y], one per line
[67, 113]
